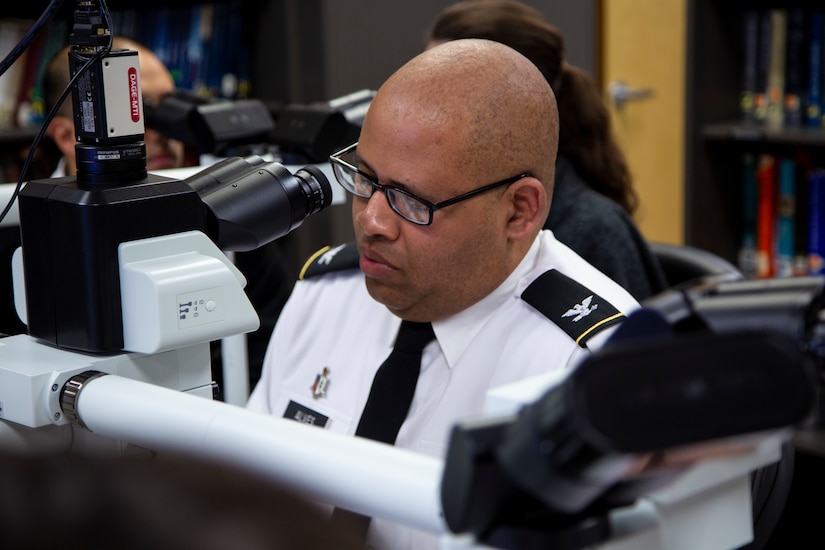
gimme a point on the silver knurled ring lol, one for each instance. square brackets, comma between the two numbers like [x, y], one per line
[71, 392]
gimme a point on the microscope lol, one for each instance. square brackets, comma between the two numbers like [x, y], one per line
[652, 441]
[125, 271]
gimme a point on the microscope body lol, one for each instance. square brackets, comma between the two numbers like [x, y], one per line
[70, 244]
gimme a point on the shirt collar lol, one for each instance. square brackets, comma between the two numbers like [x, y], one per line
[60, 169]
[455, 333]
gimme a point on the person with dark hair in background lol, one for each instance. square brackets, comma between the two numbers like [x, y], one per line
[451, 183]
[590, 166]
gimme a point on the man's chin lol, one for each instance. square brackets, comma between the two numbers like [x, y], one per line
[385, 295]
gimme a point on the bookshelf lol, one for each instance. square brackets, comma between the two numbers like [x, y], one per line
[717, 139]
[718, 135]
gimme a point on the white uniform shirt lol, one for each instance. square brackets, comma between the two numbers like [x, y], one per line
[330, 322]
[60, 169]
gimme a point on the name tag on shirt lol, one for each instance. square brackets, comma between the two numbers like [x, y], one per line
[299, 413]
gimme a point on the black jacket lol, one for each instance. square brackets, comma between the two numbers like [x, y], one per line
[603, 233]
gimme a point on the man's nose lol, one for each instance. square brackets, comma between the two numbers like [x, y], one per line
[376, 216]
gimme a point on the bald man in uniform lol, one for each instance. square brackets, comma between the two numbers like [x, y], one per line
[452, 181]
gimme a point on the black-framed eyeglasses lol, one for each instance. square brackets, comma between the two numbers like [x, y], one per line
[414, 209]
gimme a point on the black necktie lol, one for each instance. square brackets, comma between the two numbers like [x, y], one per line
[389, 402]
[394, 384]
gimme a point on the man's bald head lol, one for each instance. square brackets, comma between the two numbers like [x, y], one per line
[483, 97]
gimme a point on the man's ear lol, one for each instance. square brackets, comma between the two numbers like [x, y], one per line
[529, 200]
[61, 132]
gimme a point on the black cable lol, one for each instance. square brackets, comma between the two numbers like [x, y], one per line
[97, 55]
[12, 56]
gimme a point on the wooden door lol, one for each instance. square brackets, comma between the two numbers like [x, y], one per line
[643, 46]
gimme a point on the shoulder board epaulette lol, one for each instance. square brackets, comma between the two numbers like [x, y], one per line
[327, 259]
[577, 310]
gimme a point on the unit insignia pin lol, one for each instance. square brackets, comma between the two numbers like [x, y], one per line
[319, 387]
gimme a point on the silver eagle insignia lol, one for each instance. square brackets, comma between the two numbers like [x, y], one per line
[581, 310]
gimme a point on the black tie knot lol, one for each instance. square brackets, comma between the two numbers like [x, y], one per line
[394, 384]
[412, 337]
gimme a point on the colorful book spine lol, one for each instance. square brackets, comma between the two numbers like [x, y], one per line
[785, 218]
[795, 67]
[804, 164]
[198, 69]
[747, 246]
[775, 113]
[763, 56]
[218, 51]
[816, 222]
[57, 34]
[27, 98]
[813, 110]
[11, 32]
[747, 100]
[766, 179]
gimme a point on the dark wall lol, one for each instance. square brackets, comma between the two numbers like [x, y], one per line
[309, 50]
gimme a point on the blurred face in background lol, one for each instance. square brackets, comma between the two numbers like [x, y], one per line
[156, 82]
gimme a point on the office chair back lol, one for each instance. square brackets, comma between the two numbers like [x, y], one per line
[683, 264]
